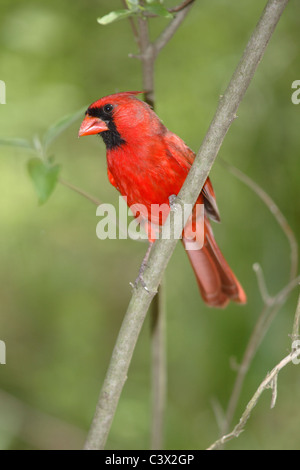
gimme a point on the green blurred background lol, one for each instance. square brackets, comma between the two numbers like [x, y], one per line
[64, 292]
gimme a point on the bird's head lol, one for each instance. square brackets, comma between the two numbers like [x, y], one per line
[117, 118]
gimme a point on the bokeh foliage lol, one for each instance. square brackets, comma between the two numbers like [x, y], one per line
[63, 292]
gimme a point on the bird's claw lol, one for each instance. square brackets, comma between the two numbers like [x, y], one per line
[140, 280]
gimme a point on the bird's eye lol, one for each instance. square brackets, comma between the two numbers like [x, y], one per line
[108, 108]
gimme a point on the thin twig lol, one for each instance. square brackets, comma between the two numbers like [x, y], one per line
[272, 383]
[162, 249]
[267, 299]
[159, 367]
[269, 382]
[271, 304]
[97, 202]
[265, 319]
[274, 209]
[274, 388]
[181, 6]
[133, 25]
[296, 327]
[171, 29]
[176, 9]
[80, 191]
[148, 59]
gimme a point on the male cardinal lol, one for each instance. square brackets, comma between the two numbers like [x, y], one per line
[147, 164]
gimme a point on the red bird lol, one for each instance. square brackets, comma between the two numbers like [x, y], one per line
[147, 163]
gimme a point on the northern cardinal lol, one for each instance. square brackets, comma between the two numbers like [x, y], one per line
[147, 163]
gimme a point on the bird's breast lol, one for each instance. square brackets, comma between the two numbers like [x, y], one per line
[145, 175]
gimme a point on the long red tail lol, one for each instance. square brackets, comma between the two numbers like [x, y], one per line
[217, 283]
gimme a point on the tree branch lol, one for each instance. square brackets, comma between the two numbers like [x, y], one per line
[296, 326]
[147, 57]
[95, 201]
[163, 249]
[181, 6]
[272, 378]
[176, 9]
[271, 304]
[261, 282]
[132, 24]
[269, 382]
[262, 325]
[171, 29]
[274, 209]
[80, 191]
[159, 367]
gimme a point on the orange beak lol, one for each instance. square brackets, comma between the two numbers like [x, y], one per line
[92, 125]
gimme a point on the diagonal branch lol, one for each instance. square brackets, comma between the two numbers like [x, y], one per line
[181, 6]
[262, 325]
[271, 304]
[274, 209]
[95, 201]
[159, 367]
[271, 379]
[269, 382]
[132, 24]
[80, 191]
[171, 29]
[296, 327]
[163, 249]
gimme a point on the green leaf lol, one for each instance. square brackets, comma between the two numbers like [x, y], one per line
[154, 1]
[60, 126]
[20, 143]
[44, 177]
[159, 10]
[114, 16]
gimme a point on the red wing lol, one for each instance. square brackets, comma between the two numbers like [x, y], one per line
[185, 157]
[111, 179]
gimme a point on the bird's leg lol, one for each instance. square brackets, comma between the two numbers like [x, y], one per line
[142, 269]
